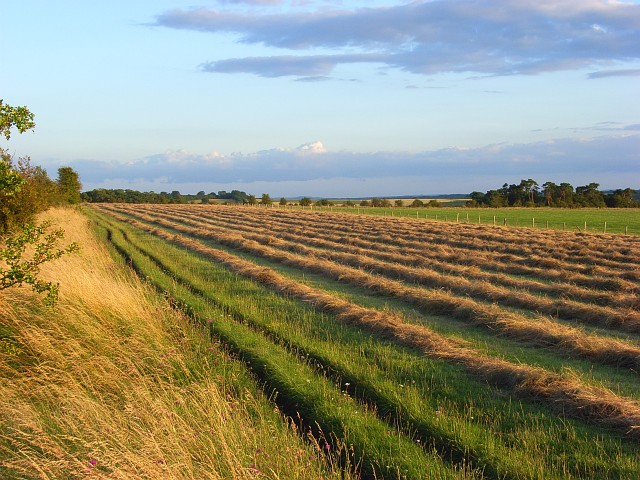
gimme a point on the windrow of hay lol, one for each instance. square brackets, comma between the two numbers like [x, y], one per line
[384, 234]
[114, 384]
[623, 319]
[561, 393]
[538, 331]
[560, 247]
[319, 236]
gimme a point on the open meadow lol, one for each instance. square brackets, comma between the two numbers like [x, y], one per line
[421, 349]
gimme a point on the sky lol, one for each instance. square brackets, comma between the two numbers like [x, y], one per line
[327, 98]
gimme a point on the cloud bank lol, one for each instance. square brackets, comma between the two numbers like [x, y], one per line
[311, 169]
[490, 37]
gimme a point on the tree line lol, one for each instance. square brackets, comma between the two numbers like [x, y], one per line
[528, 193]
[118, 195]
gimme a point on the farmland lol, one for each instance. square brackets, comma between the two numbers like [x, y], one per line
[423, 349]
[597, 220]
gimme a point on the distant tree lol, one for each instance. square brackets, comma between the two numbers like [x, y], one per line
[323, 203]
[349, 203]
[376, 202]
[385, 203]
[589, 196]
[365, 203]
[477, 199]
[550, 192]
[399, 203]
[266, 199]
[251, 200]
[176, 197]
[417, 203]
[283, 202]
[565, 195]
[434, 204]
[305, 202]
[69, 185]
[622, 199]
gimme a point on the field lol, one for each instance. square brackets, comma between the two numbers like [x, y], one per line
[417, 349]
[597, 220]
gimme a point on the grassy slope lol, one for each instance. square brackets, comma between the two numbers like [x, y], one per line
[115, 384]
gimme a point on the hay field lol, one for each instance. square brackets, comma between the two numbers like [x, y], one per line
[498, 352]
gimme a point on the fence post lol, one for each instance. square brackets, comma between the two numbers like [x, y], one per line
[533, 222]
[494, 220]
[457, 218]
[505, 220]
[478, 219]
[585, 226]
[605, 227]
[626, 230]
[547, 224]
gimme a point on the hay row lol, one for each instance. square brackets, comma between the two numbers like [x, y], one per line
[560, 245]
[320, 238]
[626, 320]
[537, 265]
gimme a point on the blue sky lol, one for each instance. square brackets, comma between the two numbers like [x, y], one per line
[327, 98]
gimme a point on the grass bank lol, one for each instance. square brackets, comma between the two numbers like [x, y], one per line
[115, 384]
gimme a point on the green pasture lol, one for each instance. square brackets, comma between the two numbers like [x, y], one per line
[605, 220]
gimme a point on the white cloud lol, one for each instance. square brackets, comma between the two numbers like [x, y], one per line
[496, 37]
[313, 147]
[615, 159]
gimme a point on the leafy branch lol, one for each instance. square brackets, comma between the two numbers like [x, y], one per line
[23, 267]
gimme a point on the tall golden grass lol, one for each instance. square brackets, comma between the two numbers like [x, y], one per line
[112, 383]
[562, 393]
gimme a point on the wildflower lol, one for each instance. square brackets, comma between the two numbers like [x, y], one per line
[92, 462]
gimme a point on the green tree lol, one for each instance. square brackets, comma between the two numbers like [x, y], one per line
[283, 202]
[69, 185]
[399, 203]
[305, 201]
[251, 200]
[266, 199]
[417, 203]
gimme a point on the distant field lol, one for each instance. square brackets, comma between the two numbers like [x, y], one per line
[621, 220]
[429, 350]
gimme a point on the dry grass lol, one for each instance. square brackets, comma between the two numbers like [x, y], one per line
[113, 384]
